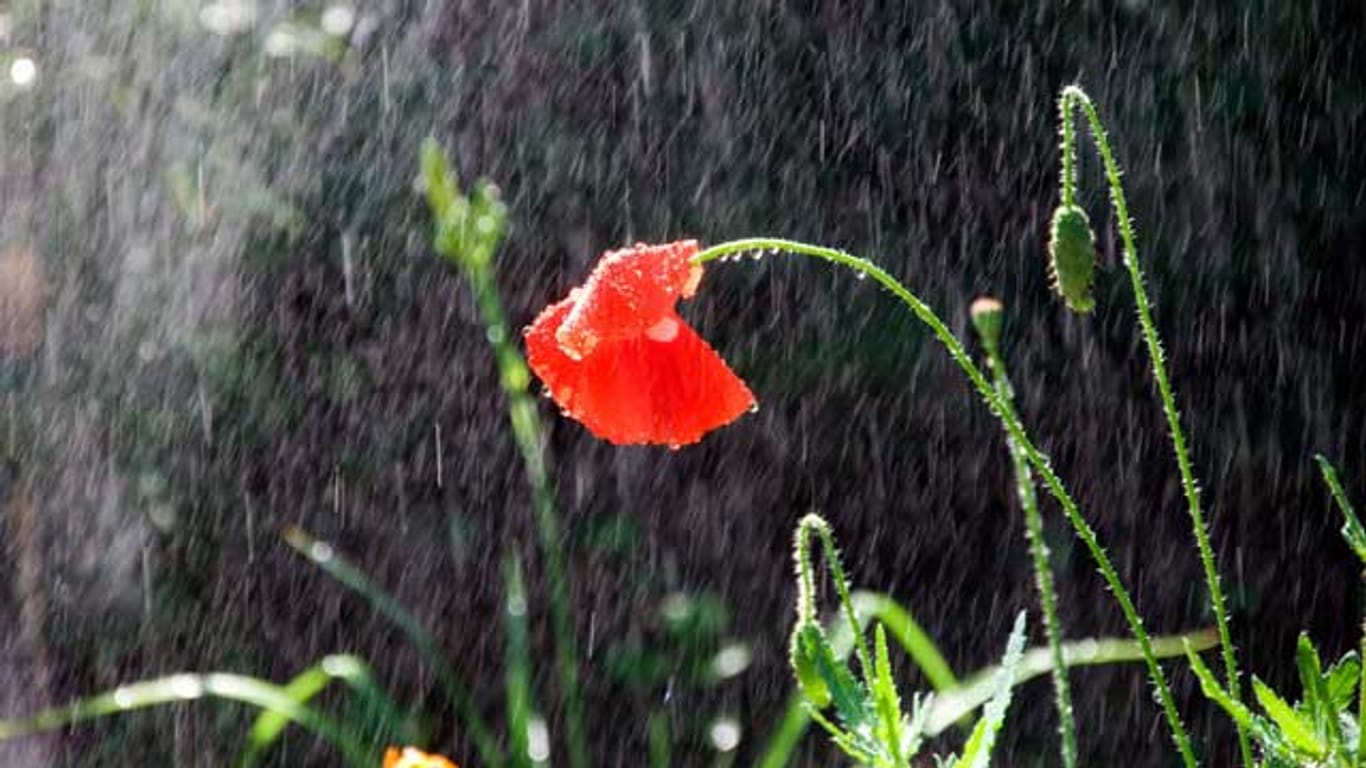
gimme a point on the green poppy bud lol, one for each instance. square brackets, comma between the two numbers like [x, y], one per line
[1072, 252]
[987, 316]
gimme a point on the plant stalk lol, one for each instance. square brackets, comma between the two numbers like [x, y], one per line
[1012, 425]
[1043, 574]
[1072, 98]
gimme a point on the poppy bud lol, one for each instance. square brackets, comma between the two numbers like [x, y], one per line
[987, 315]
[1072, 253]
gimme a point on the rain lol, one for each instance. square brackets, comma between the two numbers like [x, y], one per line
[223, 325]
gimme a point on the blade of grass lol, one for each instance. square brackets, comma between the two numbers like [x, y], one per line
[518, 676]
[977, 751]
[352, 671]
[191, 687]
[322, 554]
[660, 750]
[950, 707]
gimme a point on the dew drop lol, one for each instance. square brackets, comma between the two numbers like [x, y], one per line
[321, 552]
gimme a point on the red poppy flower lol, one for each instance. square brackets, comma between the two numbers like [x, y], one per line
[616, 356]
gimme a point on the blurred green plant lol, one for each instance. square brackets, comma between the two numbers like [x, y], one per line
[280, 704]
[467, 233]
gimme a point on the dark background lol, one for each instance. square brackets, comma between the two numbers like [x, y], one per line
[245, 327]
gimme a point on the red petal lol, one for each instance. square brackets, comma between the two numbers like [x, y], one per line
[629, 291]
[642, 389]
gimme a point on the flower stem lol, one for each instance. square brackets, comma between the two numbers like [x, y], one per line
[526, 430]
[806, 584]
[1072, 98]
[467, 232]
[1038, 548]
[1037, 459]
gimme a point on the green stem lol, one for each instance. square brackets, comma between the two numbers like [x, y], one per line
[517, 676]
[1355, 536]
[468, 231]
[323, 555]
[1036, 458]
[191, 687]
[1068, 177]
[806, 598]
[526, 430]
[1043, 575]
[1073, 97]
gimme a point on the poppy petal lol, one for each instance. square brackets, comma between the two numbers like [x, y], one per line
[630, 290]
[665, 386]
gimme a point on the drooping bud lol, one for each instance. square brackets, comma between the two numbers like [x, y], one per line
[987, 316]
[1072, 257]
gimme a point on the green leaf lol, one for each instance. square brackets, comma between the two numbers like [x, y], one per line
[885, 698]
[441, 189]
[846, 693]
[977, 752]
[1321, 710]
[1352, 529]
[949, 707]
[1215, 692]
[804, 665]
[909, 635]
[271, 724]
[1342, 679]
[915, 729]
[1299, 733]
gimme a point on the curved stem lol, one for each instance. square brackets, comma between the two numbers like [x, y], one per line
[1043, 575]
[1073, 97]
[1036, 458]
[806, 579]
[190, 687]
[1068, 178]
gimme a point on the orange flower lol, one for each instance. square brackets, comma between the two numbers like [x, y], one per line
[412, 758]
[616, 356]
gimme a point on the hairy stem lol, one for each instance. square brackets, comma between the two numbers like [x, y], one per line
[1012, 425]
[814, 524]
[1072, 98]
[1043, 574]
